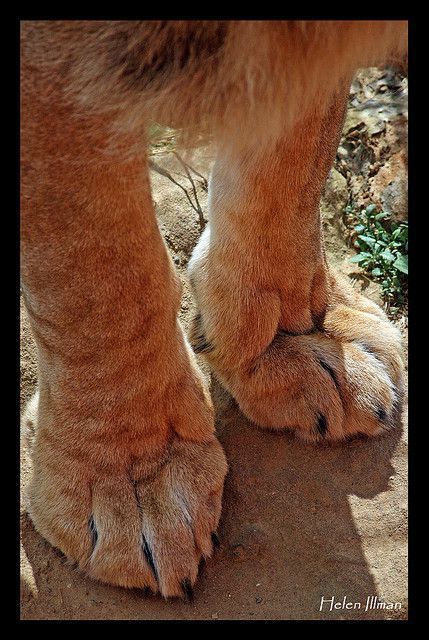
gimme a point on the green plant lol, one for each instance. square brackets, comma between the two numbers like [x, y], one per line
[383, 251]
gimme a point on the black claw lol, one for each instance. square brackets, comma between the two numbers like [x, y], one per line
[93, 531]
[149, 557]
[330, 371]
[188, 592]
[381, 414]
[365, 346]
[215, 540]
[322, 425]
[294, 334]
[199, 341]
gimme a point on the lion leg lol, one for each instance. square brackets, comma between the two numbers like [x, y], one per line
[127, 473]
[291, 340]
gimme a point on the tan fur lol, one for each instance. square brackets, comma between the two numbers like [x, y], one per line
[128, 474]
[280, 341]
[224, 78]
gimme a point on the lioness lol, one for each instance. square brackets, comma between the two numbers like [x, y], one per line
[127, 471]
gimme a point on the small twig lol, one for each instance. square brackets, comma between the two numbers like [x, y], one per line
[202, 182]
[200, 211]
[167, 174]
[204, 185]
[163, 172]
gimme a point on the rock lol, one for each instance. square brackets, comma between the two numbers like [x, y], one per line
[361, 282]
[335, 197]
[389, 187]
[372, 150]
[334, 201]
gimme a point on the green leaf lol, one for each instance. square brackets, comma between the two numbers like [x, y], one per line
[359, 227]
[360, 257]
[401, 263]
[369, 241]
[381, 216]
[388, 255]
[370, 209]
[376, 272]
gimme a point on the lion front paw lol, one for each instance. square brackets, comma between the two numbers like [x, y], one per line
[123, 525]
[342, 379]
[328, 385]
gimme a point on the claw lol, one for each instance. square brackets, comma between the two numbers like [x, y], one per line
[93, 531]
[188, 592]
[381, 414]
[322, 425]
[330, 371]
[149, 557]
[215, 540]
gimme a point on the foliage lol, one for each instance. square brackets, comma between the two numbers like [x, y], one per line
[383, 251]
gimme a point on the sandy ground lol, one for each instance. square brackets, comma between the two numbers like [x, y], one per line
[299, 522]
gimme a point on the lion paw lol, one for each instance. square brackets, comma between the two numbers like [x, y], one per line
[339, 380]
[329, 385]
[129, 528]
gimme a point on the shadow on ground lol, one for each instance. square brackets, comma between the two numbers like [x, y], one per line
[288, 536]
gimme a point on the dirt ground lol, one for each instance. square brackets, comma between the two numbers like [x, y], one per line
[299, 522]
